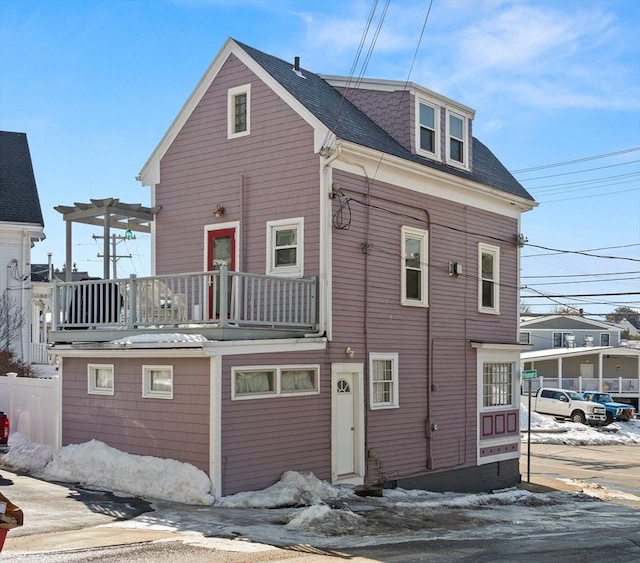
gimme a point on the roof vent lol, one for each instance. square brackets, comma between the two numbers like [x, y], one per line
[296, 67]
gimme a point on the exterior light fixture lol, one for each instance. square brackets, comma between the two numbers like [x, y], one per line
[218, 211]
[350, 352]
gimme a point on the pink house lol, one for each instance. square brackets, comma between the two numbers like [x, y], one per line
[335, 290]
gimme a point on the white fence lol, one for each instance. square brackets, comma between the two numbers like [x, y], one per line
[33, 406]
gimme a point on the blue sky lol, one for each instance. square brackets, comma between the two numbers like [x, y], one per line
[95, 84]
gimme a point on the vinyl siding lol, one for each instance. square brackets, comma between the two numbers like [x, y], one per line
[437, 366]
[264, 437]
[202, 168]
[175, 428]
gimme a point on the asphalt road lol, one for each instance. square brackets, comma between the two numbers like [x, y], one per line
[614, 467]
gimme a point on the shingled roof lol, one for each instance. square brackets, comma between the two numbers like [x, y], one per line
[349, 123]
[18, 190]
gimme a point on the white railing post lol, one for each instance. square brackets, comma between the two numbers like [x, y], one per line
[132, 302]
[224, 285]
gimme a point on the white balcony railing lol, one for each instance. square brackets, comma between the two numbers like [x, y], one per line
[221, 298]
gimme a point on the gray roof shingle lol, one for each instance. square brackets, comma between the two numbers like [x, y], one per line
[351, 124]
[19, 201]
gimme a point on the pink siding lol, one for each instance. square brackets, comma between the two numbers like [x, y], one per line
[438, 380]
[264, 437]
[202, 168]
[176, 428]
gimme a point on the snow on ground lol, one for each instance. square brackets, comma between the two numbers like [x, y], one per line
[301, 509]
[100, 466]
[546, 430]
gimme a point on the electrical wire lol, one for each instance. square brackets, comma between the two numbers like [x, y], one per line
[576, 161]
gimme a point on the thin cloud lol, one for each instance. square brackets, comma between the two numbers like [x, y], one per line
[544, 58]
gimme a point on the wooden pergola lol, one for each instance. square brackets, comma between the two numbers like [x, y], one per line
[109, 214]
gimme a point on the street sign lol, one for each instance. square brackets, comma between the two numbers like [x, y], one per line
[529, 374]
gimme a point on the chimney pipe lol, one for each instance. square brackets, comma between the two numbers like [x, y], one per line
[296, 63]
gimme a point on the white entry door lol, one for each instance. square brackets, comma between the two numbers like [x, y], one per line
[347, 423]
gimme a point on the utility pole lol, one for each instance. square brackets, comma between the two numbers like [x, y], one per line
[115, 239]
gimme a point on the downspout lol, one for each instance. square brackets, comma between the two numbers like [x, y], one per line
[326, 273]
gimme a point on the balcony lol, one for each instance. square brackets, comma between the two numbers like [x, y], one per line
[219, 304]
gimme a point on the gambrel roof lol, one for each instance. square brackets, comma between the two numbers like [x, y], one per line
[324, 107]
[18, 190]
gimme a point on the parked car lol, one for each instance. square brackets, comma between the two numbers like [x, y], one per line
[615, 411]
[4, 433]
[561, 403]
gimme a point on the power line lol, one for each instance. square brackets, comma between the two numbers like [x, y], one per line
[568, 162]
[572, 295]
[585, 250]
[577, 275]
[582, 253]
[579, 171]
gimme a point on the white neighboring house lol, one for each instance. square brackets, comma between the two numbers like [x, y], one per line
[21, 226]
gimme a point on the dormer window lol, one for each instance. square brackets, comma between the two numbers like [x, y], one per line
[427, 141]
[238, 106]
[457, 146]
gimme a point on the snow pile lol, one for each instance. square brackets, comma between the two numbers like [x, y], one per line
[98, 465]
[293, 489]
[160, 338]
[26, 456]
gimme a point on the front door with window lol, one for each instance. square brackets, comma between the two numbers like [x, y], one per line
[221, 249]
[347, 423]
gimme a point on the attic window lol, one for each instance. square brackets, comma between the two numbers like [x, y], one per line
[238, 111]
[427, 128]
[457, 145]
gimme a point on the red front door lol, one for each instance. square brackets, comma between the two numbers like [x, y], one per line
[221, 249]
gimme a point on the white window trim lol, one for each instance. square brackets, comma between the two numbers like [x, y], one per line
[231, 114]
[296, 271]
[495, 250]
[424, 267]
[92, 389]
[149, 393]
[436, 123]
[394, 364]
[278, 384]
[465, 140]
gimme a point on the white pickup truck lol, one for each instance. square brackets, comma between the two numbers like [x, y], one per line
[561, 403]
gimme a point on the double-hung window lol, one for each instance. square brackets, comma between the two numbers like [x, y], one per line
[457, 145]
[238, 111]
[383, 380]
[414, 271]
[285, 247]
[428, 139]
[100, 379]
[488, 278]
